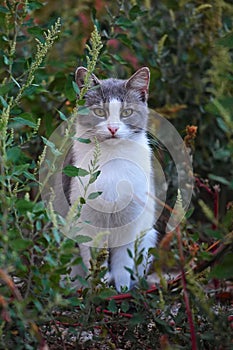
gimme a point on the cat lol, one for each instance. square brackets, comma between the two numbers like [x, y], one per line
[115, 119]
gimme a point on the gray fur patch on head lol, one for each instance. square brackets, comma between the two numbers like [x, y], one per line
[109, 89]
[133, 90]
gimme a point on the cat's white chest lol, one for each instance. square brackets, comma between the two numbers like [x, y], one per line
[125, 172]
[126, 206]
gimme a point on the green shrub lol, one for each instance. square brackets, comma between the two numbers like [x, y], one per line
[188, 47]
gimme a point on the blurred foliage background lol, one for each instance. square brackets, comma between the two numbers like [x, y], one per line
[188, 46]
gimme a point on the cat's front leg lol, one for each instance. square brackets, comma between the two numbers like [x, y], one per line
[149, 240]
[85, 253]
[119, 259]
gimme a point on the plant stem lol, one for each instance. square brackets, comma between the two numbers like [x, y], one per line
[185, 290]
[216, 205]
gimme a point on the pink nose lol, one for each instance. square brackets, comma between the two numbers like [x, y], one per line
[113, 129]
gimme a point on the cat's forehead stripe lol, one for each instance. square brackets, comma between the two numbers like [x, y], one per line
[114, 109]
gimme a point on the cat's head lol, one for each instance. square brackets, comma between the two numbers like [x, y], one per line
[117, 108]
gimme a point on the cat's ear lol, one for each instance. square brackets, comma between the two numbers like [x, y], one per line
[140, 82]
[80, 74]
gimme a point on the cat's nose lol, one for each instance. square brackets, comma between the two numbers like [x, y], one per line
[113, 129]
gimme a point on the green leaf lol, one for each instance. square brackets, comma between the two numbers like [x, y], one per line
[124, 39]
[83, 281]
[135, 12]
[5, 88]
[94, 195]
[212, 108]
[23, 121]
[52, 147]
[69, 89]
[3, 9]
[34, 5]
[24, 205]
[38, 305]
[83, 110]
[73, 301]
[112, 306]
[119, 59]
[107, 293]
[94, 176]
[75, 87]
[136, 319]
[81, 102]
[189, 213]
[144, 284]
[20, 169]
[17, 110]
[4, 103]
[124, 22]
[56, 235]
[62, 115]
[129, 253]
[82, 200]
[125, 306]
[37, 31]
[82, 239]
[139, 260]
[72, 171]
[219, 179]
[77, 261]
[20, 244]
[213, 233]
[222, 125]
[223, 270]
[129, 270]
[221, 154]
[16, 156]
[80, 139]
[30, 90]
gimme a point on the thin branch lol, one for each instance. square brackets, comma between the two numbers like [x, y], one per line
[185, 290]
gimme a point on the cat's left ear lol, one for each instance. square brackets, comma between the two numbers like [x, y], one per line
[140, 82]
[80, 75]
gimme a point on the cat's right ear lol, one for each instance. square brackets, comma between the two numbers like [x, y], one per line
[139, 81]
[80, 75]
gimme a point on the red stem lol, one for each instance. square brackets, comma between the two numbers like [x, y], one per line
[216, 205]
[186, 296]
[120, 297]
[200, 184]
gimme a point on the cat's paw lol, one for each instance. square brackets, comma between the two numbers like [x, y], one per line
[122, 282]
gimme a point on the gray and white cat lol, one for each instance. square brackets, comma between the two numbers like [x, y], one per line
[117, 119]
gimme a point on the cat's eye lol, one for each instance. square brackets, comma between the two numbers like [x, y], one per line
[100, 112]
[126, 112]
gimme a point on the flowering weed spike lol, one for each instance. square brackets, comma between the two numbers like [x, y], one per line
[93, 54]
[52, 213]
[94, 51]
[42, 51]
[179, 202]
